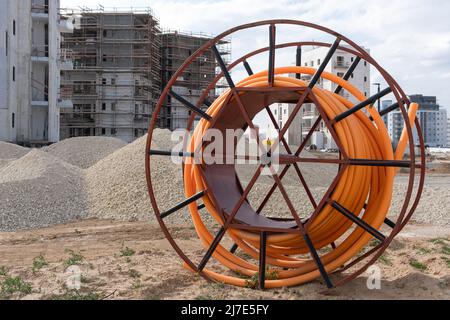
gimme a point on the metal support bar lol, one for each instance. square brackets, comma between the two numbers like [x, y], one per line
[390, 223]
[363, 104]
[190, 106]
[349, 73]
[223, 67]
[379, 163]
[298, 60]
[207, 103]
[202, 206]
[271, 73]
[361, 223]
[248, 68]
[322, 67]
[182, 204]
[170, 153]
[233, 248]
[262, 260]
[211, 249]
[316, 258]
[387, 110]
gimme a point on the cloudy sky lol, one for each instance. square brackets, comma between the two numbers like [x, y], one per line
[409, 38]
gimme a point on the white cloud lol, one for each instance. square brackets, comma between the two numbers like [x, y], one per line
[410, 39]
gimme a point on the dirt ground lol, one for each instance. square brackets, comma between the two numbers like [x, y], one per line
[134, 261]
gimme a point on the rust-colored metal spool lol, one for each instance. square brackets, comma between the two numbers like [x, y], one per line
[222, 182]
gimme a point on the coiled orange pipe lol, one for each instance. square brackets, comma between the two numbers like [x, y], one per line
[361, 138]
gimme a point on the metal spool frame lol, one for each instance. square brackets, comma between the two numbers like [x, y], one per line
[360, 263]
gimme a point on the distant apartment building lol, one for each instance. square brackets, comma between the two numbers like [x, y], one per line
[176, 48]
[303, 122]
[116, 77]
[432, 119]
[30, 63]
[385, 104]
[448, 133]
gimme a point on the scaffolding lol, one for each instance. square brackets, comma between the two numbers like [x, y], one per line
[116, 78]
[176, 48]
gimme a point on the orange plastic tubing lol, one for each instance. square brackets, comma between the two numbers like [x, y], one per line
[361, 138]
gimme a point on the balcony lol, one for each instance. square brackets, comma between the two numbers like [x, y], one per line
[309, 115]
[39, 53]
[39, 11]
[341, 64]
[39, 94]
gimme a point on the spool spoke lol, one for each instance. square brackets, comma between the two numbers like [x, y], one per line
[389, 223]
[248, 68]
[229, 220]
[361, 223]
[317, 260]
[297, 169]
[291, 159]
[271, 73]
[329, 126]
[349, 73]
[286, 197]
[322, 67]
[170, 153]
[380, 163]
[361, 105]
[262, 260]
[298, 61]
[387, 110]
[211, 249]
[326, 196]
[285, 170]
[233, 248]
[223, 67]
[183, 204]
[190, 106]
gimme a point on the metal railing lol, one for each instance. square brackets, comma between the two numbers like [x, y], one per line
[342, 64]
[39, 8]
[39, 91]
[39, 51]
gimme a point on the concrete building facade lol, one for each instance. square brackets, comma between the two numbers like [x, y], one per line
[30, 71]
[338, 65]
[448, 133]
[432, 119]
[116, 78]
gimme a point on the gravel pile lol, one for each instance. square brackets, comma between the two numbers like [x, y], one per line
[84, 152]
[117, 187]
[434, 205]
[9, 152]
[40, 190]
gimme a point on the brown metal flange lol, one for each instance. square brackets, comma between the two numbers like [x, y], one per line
[249, 104]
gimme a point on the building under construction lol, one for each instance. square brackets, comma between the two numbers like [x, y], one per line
[176, 48]
[121, 61]
[116, 77]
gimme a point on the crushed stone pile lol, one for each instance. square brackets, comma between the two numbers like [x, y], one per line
[40, 190]
[117, 187]
[9, 152]
[84, 152]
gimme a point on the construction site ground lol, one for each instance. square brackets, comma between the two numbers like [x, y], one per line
[133, 260]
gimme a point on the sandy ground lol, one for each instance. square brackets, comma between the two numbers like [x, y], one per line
[134, 261]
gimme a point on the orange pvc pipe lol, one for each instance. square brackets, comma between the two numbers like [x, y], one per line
[361, 138]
